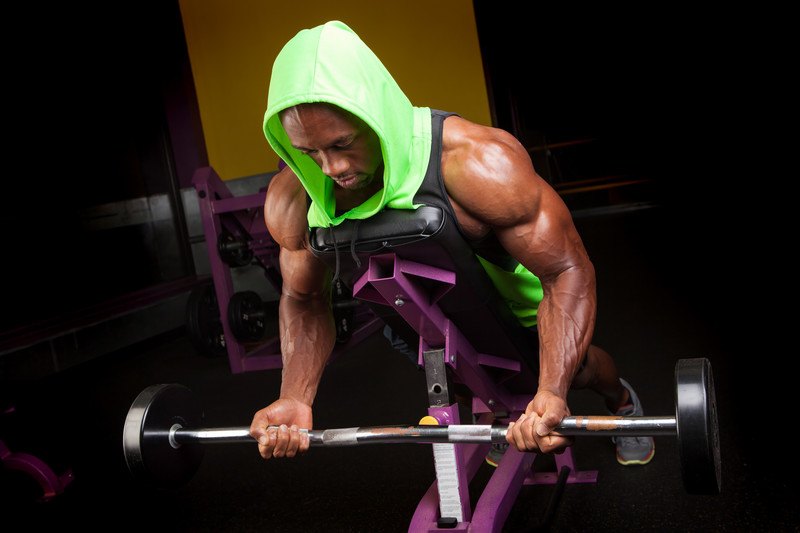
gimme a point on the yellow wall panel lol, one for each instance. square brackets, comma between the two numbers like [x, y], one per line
[430, 47]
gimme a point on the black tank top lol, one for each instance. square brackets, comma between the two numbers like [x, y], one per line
[433, 192]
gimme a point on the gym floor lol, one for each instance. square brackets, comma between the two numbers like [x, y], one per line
[661, 298]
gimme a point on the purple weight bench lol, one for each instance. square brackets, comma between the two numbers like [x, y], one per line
[419, 276]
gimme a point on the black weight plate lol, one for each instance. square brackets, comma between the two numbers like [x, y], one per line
[233, 252]
[203, 323]
[150, 456]
[246, 316]
[698, 429]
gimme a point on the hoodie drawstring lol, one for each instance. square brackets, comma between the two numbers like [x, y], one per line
[353, 239]
[335, 251]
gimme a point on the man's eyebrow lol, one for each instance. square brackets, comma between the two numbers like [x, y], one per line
[340, 140]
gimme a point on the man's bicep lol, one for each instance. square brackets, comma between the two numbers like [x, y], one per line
[304, 276]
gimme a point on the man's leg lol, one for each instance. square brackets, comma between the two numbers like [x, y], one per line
[599, 373]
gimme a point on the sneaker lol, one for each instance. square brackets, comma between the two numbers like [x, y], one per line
[633, 450]
[496, 453]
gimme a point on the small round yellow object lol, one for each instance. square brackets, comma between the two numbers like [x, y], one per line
[428, 421]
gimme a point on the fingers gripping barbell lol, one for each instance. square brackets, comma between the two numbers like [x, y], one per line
[163, 436]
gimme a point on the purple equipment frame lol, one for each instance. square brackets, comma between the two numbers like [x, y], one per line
[52, 484]
[243, 217]
[392, 281]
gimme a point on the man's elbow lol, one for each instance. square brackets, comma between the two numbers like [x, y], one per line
[576, 278]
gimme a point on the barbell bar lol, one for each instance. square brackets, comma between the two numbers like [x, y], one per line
[429, 434]
[163, 438]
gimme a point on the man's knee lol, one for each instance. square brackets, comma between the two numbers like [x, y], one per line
[592, 365]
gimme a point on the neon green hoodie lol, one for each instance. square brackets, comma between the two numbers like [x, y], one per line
[330, 63]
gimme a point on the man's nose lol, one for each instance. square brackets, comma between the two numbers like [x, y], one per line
[334, 165]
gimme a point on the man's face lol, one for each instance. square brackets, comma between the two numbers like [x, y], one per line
[344, 147]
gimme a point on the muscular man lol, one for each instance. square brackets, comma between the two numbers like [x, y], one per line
[354, 145]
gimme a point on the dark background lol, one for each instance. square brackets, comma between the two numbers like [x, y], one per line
[89, 94]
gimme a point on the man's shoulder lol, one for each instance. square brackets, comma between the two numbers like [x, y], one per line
[285, 210]
[487, 171]
[468, 139]
[283, 192]
[479, 151]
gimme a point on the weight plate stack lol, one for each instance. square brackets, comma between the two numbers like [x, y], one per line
[203, 323]
[246, 316]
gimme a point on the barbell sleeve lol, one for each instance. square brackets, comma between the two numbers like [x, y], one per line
[458, 433]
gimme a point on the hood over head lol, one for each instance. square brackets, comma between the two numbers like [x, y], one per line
[330, 63]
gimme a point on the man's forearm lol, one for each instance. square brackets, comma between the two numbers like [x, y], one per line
[307, 337]
[566, 320]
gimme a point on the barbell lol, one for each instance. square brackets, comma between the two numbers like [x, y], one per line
[163, 436]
